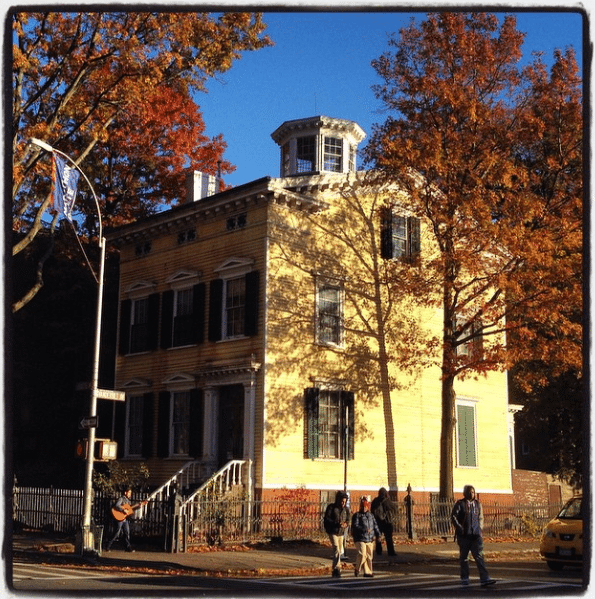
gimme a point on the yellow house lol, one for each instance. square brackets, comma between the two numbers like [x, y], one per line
[257, 326]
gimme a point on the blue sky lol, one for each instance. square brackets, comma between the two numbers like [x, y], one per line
[320, 64]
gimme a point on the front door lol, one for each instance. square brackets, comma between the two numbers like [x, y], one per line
[231, 424]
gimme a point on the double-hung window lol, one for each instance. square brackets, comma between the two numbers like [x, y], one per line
[139, 331]
[180, 422]
[333, 154]
[466, 434]
[470, 338]
[235, 305]
[183, 312]
[400, 237]
[139, 321]
[183, 317]
[234, 301]
[329, 423]
[329, 314]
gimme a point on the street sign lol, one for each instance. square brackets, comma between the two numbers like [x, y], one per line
[88, 422]
[109, 394]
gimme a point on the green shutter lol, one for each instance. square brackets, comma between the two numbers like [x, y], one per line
[311, 427]
[466, 435]
[347, 399]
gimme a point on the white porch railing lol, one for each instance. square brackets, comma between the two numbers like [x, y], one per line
[190, 473]
[235, 473]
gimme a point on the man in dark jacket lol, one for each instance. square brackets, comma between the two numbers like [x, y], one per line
[384, 510]
[336, 520]
[467, 517]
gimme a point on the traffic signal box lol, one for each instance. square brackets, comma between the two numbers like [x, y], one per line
[105, 449]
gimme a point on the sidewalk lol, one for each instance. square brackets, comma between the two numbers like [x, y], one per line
[266, 559]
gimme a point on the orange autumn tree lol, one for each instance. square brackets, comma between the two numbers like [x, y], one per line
[114, 91]
[472, 138]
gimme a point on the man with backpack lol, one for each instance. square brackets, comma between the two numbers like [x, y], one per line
[384, 510]
[336, 521]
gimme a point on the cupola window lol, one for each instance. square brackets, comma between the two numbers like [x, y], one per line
[318, 145]
[333, 154]
[306, 154]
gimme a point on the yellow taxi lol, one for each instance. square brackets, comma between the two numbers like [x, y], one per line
[562, 540]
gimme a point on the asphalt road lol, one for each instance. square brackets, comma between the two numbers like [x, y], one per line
[407, 580]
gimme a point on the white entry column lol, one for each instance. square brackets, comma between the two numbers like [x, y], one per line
[249, 416]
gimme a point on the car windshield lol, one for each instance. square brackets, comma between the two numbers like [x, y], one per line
[572, 510]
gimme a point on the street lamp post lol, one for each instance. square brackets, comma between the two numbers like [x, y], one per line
[87, 540]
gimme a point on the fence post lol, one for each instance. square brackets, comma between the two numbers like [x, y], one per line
[409, 509]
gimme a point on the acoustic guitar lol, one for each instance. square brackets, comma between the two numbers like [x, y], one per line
[128, 510]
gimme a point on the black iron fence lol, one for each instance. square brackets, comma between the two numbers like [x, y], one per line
[237, 519]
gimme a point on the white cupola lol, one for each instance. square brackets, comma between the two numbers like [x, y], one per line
[318, 144]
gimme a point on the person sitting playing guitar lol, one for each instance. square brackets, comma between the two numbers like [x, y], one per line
[121, 510]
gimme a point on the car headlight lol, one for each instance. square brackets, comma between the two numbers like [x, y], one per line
[548, 534]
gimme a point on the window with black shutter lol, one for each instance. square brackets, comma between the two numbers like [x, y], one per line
[327, 414]
[139, 425]
[400, 237]
[234, 307]
[139, 322]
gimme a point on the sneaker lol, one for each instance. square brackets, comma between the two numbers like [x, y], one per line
[344, 558]
[464, 582]
[368, 575]
[129, 549]
[488, 582]
[336, 573]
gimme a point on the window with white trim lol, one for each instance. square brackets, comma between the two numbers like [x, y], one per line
[183, 316]
[235, 304]
[469, 337]
[328, 412]
[400, 237]
[329, 313]
[234, 301]
[333, 154]
[466, 431]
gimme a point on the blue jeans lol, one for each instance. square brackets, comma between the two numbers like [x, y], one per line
[473, 543]
[123, 527]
